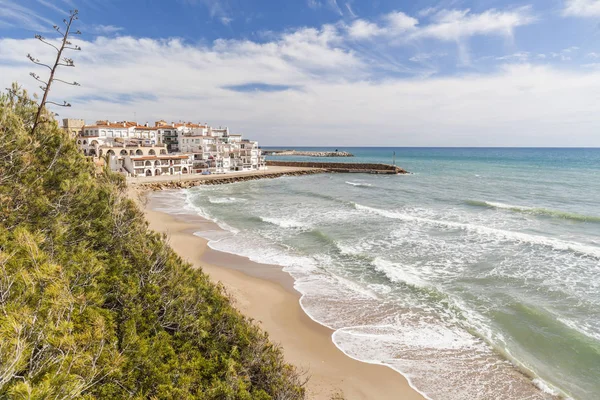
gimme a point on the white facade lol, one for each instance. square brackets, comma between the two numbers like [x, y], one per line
[175, 148]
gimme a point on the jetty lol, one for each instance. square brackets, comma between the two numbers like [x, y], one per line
[275, 169]
[307, 153]
[359, 168]
[165, 182]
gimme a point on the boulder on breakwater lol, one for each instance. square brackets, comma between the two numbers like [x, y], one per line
[220, 180]
[364, 168]
[307, 153]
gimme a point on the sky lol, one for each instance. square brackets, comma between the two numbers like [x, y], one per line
[326, 72]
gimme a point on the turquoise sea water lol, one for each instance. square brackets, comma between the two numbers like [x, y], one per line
[477, 276]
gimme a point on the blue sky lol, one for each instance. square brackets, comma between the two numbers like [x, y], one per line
[330, 72]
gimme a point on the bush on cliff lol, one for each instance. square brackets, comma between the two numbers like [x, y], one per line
[93, 305]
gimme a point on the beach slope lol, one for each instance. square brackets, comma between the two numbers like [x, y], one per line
[268, 298]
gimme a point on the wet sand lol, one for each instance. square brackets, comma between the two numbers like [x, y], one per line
[266, 294]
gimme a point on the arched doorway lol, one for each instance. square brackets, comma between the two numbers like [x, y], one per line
[184, 170]
[152, 152]
[123, 152]
[148, 172]
[138, 152]
[157, 172]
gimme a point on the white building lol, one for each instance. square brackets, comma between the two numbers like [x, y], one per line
[175, 148]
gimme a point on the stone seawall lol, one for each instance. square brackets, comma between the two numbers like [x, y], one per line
[221, 180]
[307, 153]
[342, 167]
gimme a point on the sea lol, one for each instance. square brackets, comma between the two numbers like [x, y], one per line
[476, 276]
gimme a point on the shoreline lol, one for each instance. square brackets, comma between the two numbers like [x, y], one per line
[305, 343]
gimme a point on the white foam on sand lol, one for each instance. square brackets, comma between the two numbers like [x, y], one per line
[440, 361]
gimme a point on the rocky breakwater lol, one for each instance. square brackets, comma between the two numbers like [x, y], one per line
[308, 153]
[220, 179]
[364, 168]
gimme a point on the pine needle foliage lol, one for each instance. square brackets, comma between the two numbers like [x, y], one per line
[94, 305]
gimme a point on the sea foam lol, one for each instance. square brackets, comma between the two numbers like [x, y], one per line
[359, 184]
[555, 244]
[546, 212]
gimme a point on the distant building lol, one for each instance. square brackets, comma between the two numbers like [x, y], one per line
[73, 126]
[175, 148]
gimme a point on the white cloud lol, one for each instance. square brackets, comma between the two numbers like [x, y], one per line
[394, 24]
[563, 55]
[314, 4]
[445, 25]
[350, 10]
[454, 25]
[427, 11]
[398, 22]
[103, 29]
[216, 8]
[335, 101]
[335, 7]
[425, 57]
[14, 14]
[52, 6]
[521, 56]
[582, 8]
[362, 29]
[332, 5]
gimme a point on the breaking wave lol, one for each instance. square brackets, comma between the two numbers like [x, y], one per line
[535, 211]
[556, 244]
[359, 184]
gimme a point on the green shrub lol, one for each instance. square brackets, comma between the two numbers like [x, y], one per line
[93, 305]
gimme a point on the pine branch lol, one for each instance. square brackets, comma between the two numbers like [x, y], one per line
[60, 61]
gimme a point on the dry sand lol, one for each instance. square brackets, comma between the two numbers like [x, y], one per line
[266, 294]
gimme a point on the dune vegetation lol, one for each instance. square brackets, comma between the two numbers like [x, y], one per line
[93, 304]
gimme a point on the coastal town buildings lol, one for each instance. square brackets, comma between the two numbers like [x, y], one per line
[166, 148]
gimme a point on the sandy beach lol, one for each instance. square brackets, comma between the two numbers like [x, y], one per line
[265, 294]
